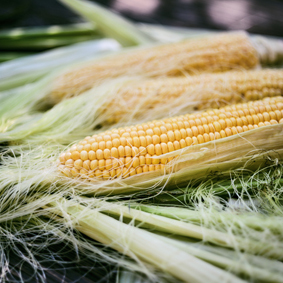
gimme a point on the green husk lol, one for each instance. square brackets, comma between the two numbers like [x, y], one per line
[138, 243]
[55, 30]
[245, 265]
[18, 114]
[63, 121]
[25, 70]
[6, 56]
[251, 183]
[43, 43]
[215, 217]
[177, 227]
[33, 95]
[32, 236]
[109, 23]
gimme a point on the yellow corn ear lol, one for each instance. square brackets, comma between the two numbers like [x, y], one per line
[204, 91]
[133, 150]
[215, 53]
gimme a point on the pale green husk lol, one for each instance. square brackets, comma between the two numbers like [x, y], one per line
[109, 23]
[53, 30]
[28, 69]
[27, 103]
[138, 243]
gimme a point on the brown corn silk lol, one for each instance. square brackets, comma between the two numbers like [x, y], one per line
[154, 146]
[215, 53]
[139, 99]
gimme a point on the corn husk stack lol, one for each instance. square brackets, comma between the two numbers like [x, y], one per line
[163, 160]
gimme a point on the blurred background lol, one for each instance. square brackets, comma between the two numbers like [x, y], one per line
[255, 16]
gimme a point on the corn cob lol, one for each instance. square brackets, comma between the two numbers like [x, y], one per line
[133, 150]
[216, 53]
[200, 92]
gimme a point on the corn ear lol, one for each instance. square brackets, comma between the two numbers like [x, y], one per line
[152, 146]
[209, 54]
[145, 98]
